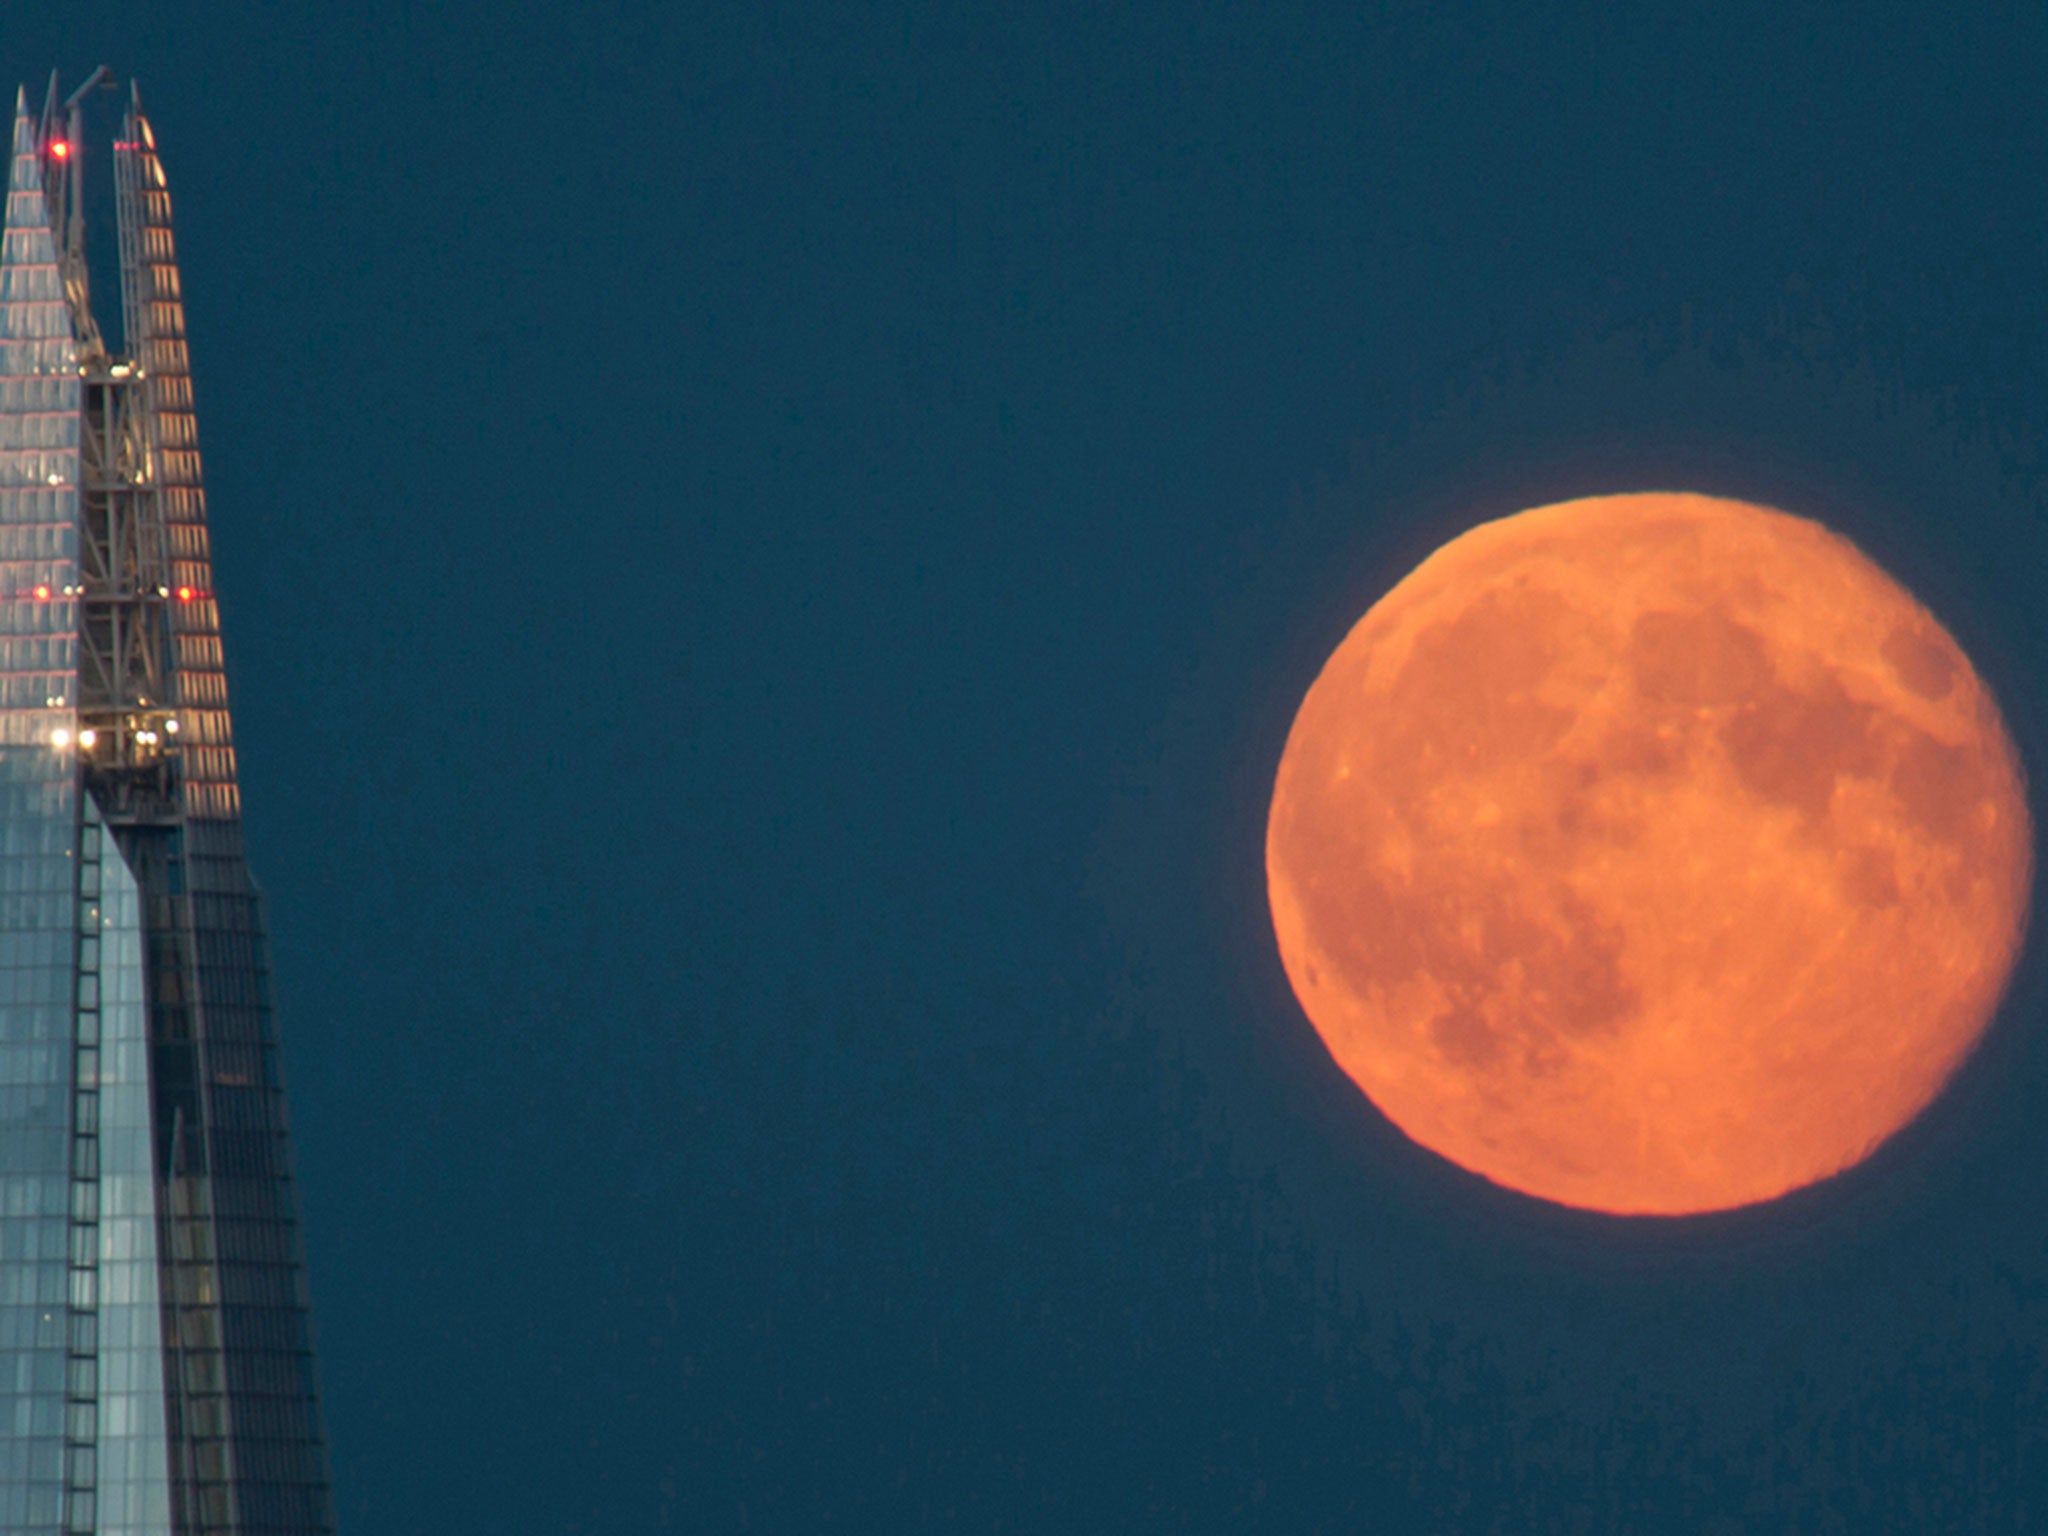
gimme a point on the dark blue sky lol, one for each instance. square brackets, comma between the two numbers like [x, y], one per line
[767, 554]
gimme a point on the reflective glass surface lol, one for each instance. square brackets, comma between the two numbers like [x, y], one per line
[39, 915]
[250, 1455]
[132, 1449]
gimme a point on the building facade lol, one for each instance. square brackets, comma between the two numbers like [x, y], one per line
[156, 1367]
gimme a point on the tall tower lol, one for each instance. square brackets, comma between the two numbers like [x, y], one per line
[156, 1368]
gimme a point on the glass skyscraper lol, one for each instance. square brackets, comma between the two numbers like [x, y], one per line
[156, 1368]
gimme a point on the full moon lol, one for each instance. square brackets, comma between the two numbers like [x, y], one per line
[1652, 854]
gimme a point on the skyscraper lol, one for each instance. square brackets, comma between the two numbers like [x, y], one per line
[156, 1371]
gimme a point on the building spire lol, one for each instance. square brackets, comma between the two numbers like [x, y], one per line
[174, 1381]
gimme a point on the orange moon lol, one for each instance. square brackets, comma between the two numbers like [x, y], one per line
[1652, 854]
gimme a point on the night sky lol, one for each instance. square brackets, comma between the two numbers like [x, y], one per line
[767, 555]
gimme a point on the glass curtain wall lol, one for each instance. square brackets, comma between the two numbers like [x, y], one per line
[131, 1476]
[39, 410]
[156, 1370]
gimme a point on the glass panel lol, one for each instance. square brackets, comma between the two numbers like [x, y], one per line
[39, 406]
[134, 1485]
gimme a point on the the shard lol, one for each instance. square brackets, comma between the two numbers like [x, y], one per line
[156, 1367]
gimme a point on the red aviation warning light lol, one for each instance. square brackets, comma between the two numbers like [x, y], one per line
[60, 150]
[42, 594]
[186, 594]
